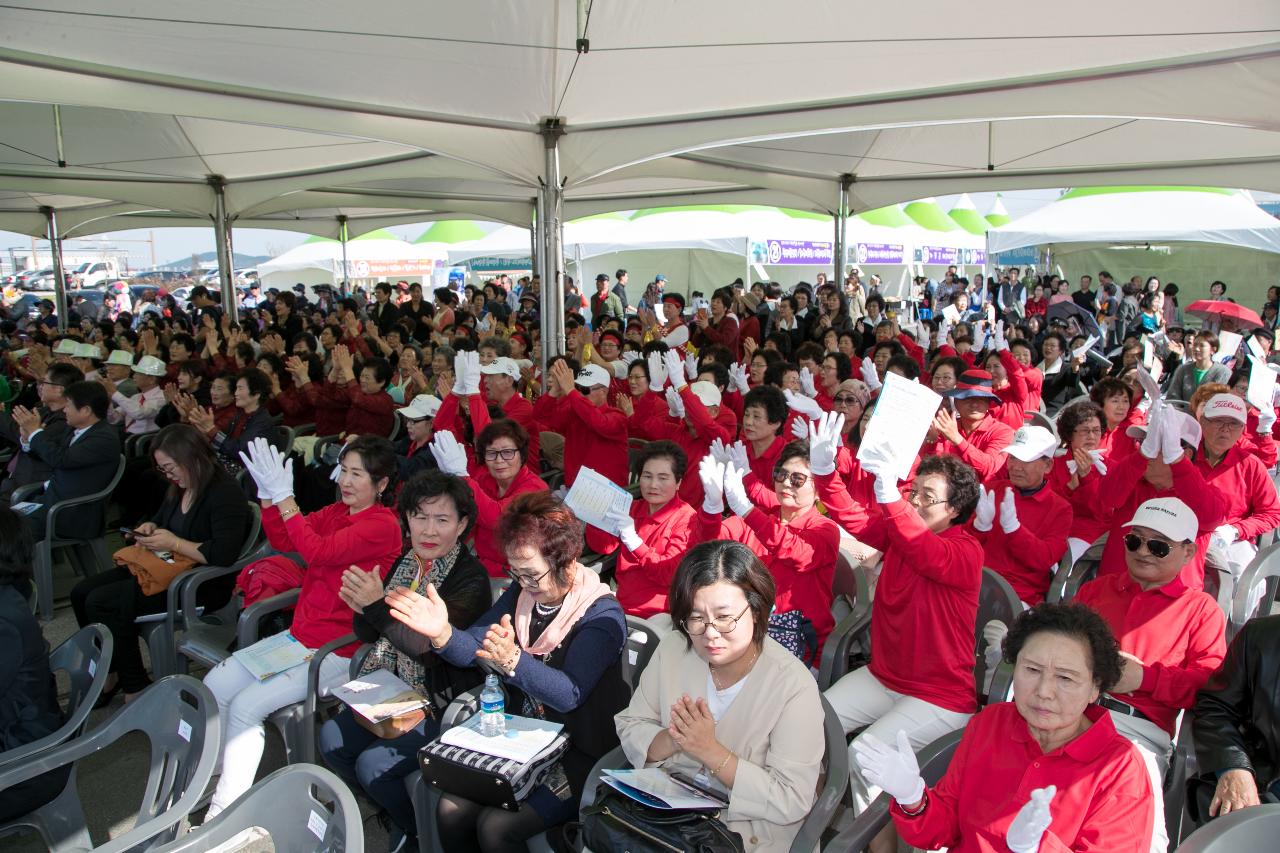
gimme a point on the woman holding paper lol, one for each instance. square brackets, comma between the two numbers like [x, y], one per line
[502, 446]
[557, 633]
[358, 530]
[437, 510]
[723, 702]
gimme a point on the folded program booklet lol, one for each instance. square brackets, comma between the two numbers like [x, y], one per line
[654, 787]
[379, 695]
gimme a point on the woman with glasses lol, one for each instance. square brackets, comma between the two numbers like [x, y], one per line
[725, 704]
[203, 517]
[557, 633]
[796, 542]
[1077, 474]
[502, 447]
[413, 449]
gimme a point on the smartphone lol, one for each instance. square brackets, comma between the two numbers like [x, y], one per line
[127, 533]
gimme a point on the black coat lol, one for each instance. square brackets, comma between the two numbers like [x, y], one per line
[385, 315]
[29, 707]
[1236, 719]
[79, 468]
[29, 469]
[218, 521]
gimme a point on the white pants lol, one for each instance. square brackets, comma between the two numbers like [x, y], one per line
[859, 699]
[244, 703]
[1155, 746]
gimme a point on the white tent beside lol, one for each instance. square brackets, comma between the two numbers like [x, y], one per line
[374, 256]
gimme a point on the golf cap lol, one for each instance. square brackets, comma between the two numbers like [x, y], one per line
[149, 365]
[707, 393]
[502, 366]
[1225, 406]
[422, 406]
[1169, 517]
[1031, 443]
[119, 356]
[66, 346]
[591, 376]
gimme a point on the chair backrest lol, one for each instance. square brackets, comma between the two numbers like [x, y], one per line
[179, 716]
[1263, 570]
[302, 807]
[497, 586]
[1039, 419]
[642, 641]
[835, 781]
[996, 601]
[1249, 829]
[851, 634]
[1066, 584]
[255, 531]
[847, 587]
[284, 438]
[1218, 582]
[85, 657]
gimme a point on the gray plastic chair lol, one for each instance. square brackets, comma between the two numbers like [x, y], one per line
[996, 601]
[302, 807]
[1251, 829]
[642, 642]
[85, 657]
[1066, 584]
[299, 723]
[849, 643]
[179, 716]
[1263, 569]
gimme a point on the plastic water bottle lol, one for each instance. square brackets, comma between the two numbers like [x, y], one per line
[493, 707]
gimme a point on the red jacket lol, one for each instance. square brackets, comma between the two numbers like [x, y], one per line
[724, 333]
[489, 507]
[331, 418]
[1028, 556]
[1035, 387]
[926, 608]
[1089, 519]
[330, 541]
[749, 328]
[979, 448]
[294, 405]
[519, 410]
[649, 405]
[1014, 396]
[801, 556]
[644, 575]
[762, 466]
[595, 437]
[1252, 507]
[1262, 446]
[695, 445]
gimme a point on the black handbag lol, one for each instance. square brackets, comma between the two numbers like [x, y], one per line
[617, 822]
[487, 779]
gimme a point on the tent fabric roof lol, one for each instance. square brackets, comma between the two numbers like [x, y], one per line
[1130, 214]
[723, 101]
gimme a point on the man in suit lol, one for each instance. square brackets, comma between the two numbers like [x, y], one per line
[24, 468]
[83, 459]
[383, 312]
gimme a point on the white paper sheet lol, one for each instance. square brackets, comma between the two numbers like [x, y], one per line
[1228, 343]
[379, 695]
[952, 313]
[1083, 350]
[273, 655]
[1262, 384]
[901, 418]
[523, 740]
[1255, 348]
[653, 787]
[593, 495]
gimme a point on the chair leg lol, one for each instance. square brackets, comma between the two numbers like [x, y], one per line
[42, 568]
[61, 822]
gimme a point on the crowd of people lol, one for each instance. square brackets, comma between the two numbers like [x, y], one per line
[737, 423]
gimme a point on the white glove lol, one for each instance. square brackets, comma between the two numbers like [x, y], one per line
[1150, 447]
[265, 465]
[806, 383]
[824, 442]
[1033, 819]
[738, 378]
[657, 372]
[738, 456]
[719, 451]
[624, 528]
[449, 454]
[896, 771]
[886, 484]
[691, 367]
[1171, 437]
[984, 514]
[1223, 537]
[1009, 512]
[804, 405]
[1002, 343]
[869, 374]
[1098, 464]
[281, 479]
[466, 367]
[336, 472]
[800, 428]
[675, 406]
[711, 473]
[1266, 420]
[630, 357]
[675, 368]
[735, 493]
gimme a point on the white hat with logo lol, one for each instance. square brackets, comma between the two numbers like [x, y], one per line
[1169, 517]
[502, 366]
[1031, 443]
[706, 392]
[421, 406]
[1225, 406]
[591, 376]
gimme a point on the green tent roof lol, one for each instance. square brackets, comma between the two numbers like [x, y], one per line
[1081, 192]
[998, 219]
[379, 234]
[886, 217]
[451, 231]
[318, 239]
[928, 215]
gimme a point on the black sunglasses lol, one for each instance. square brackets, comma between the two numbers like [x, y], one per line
[795, 478]
[1159, 548]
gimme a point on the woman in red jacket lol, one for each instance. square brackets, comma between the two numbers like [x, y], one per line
[1077, 474]
[360, 532]
[654, 534]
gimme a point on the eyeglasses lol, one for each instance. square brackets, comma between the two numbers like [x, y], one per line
[524, 580]
[507, 454]
[795, 479]
[169, 470]
[924, 498]
[49, 384]
[1083, 430]
[1159, 548]
[696, 626]
[844, 399]
[417, 420]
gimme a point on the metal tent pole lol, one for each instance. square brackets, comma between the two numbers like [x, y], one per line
[552, 245]
[842, 227]
[346, 270]
[59, 279]
[222, 239]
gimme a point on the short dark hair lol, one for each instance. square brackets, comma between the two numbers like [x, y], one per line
[1070, 418]
[381, 369]
[379, 459]
[774, 373]
[257, 382]
[877, 299]
[955, 362]
[905, 365]
[186, 340]
[91, 394]
[432, 484]
[769, 398]
[844, 367]
[719, 373]
[65, 374]
[716, 561]
[798, 449]
[811, 350]
[503, 428]
[1078, 622]
[719, 353]
[542, 521]
[192, 367]
[383, 287]
[1109, 387]
[662, 449]
[16, 548]
[501, 346]
[962, 483]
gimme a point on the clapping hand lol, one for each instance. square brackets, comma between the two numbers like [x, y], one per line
[869, 375]
[735, 491]
[500, 646]
[360, 589]
[674, 369]
[449, 454]
[675, 406]
[895, 770]
[824, 443]
[466, 369]
[28, 420]
[947, 425]
[202, 419]
[806, 382]
[711, 473]
[657, 371]
[271, 471]
[426, 614]
[984, 514]
[1031, 823]
[1009, 512]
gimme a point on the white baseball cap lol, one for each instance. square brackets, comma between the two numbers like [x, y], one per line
[119, 356]
[1167, 516]
[421, 406]
[706, 392]
[502, 365]
[1031, 443]
[1225, 406]
[149, 365]
[592, 375]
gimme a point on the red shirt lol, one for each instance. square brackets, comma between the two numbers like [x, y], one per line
[695, 445]
[1013, 396]
[926, 608]
[979, 448]
[1103, 803]
[1027, 557]
[517, 409]
[1178, 634]
[295, 406]
[644, 575]
[800, 555]
[762, 465]
[331, 419]
[593, 436]
[1252, 504]
[1088, 518]
[1035, 387]
[330, 541]
[648, 405]
[489, 507]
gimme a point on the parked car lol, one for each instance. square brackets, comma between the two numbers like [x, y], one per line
[95, 273]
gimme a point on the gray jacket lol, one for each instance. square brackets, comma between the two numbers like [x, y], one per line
[1183, 382]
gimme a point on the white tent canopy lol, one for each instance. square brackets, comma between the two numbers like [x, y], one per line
[376, 255]
[1118, 215]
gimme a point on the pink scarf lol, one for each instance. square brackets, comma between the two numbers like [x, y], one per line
[586, 588]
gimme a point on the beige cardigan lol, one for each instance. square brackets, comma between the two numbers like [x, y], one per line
[774, 726]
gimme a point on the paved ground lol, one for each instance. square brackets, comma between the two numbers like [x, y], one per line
[111, 783]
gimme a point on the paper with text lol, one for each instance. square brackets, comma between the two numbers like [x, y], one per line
[900, 421]
[593, 495]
